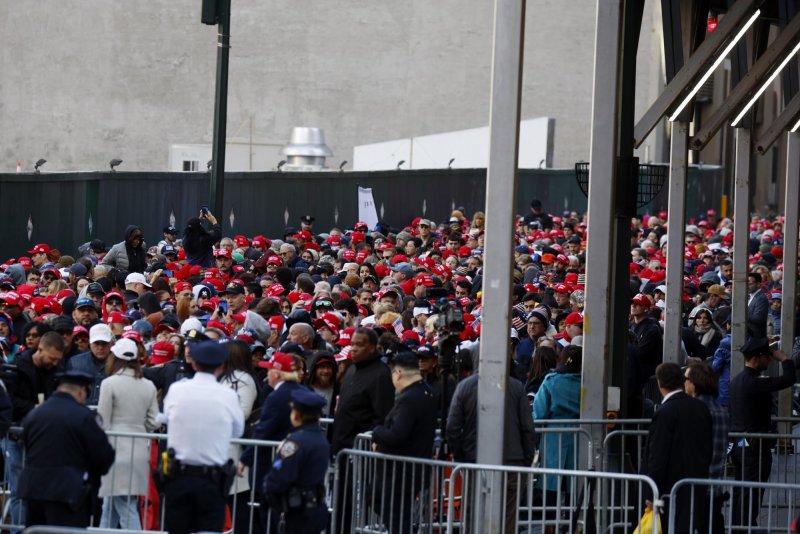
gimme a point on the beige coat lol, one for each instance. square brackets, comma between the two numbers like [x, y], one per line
[247, 390]
[128, 404]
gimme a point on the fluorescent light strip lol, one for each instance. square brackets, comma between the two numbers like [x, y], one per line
[714, 66]
[795, 127]
[774, 75]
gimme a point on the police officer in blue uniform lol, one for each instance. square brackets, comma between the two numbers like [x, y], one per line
[295, 486]
[66, 453]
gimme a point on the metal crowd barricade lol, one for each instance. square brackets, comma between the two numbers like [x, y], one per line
[776, 509]
[564, 447]
[243, 500]
[376, 492]
[540, 500]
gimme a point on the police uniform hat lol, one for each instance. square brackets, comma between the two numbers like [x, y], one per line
[307, 219]
[405, 360]
[209, 353]
[79, 378]
[308, 402]
[756, 346]
[170, 230]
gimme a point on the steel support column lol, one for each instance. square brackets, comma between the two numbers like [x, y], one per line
[676, 207]
[741, 222]
[790, 236]
[501, 185]
[602, 172]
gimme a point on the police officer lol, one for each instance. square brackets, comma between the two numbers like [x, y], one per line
[295, 486]
[66, 454]
[751, 411]
[408, 430]
[202, 417]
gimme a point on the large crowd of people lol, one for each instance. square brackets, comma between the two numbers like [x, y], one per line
[329, 311]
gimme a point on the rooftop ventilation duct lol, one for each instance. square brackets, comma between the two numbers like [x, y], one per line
[306, 150]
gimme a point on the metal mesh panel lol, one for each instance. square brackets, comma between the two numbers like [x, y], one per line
[651, 180]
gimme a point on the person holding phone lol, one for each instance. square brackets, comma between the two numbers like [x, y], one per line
[199, 242]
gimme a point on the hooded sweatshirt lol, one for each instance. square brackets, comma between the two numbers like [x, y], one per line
[124, 257]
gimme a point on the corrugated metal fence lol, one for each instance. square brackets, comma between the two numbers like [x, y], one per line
[67, 209]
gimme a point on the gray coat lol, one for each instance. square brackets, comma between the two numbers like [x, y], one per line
[462, 423]
[128, 404]
[117, 257]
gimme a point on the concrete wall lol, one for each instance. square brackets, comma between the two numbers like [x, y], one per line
[84, 81]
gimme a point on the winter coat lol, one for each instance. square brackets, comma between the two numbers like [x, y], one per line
[118, 255]
[559, 397]
[128, 404]
[721, 364]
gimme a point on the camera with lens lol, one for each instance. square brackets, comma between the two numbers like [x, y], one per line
[449, 318]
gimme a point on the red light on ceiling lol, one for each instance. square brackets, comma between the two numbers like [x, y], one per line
[712, 24]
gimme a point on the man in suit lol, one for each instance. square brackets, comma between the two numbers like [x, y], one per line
[757, 306]
[679, 445]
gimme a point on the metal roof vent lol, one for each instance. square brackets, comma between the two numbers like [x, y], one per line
[306, 150]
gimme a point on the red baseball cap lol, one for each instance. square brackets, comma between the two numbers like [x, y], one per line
[222, 253]
[334, 241]
[345, 336]
[241, 241]
[182, 286]
[425, 279]
[163, 351]
[561, 288]
[133, 335]
[276, 323]
[12, 298]
[574, 318]
[117, 317]
[362, 255]
[275, 290]
[261, 242]
[79, 330]
[642, 300]
[349, 255]
[41, 248]
[274, 260]
[25, 262]
[280, 361]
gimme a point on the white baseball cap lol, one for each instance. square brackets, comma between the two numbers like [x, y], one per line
[100, 332]
[125, 349]
[136, 278]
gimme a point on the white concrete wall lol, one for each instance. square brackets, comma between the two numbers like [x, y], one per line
[84, 81]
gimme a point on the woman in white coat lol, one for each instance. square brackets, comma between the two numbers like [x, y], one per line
[127, 404]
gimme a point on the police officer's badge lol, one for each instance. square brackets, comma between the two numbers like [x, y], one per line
[287, 449]
[99, 420]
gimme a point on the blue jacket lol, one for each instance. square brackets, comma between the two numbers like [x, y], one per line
[721, 364]
[87, 363]
[559, 397]
[274, 425]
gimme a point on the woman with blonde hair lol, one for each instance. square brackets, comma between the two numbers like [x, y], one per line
[127, 404]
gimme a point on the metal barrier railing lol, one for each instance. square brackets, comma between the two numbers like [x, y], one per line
[582, 501]
[375, 492]
[135, 455]
[709, 506]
